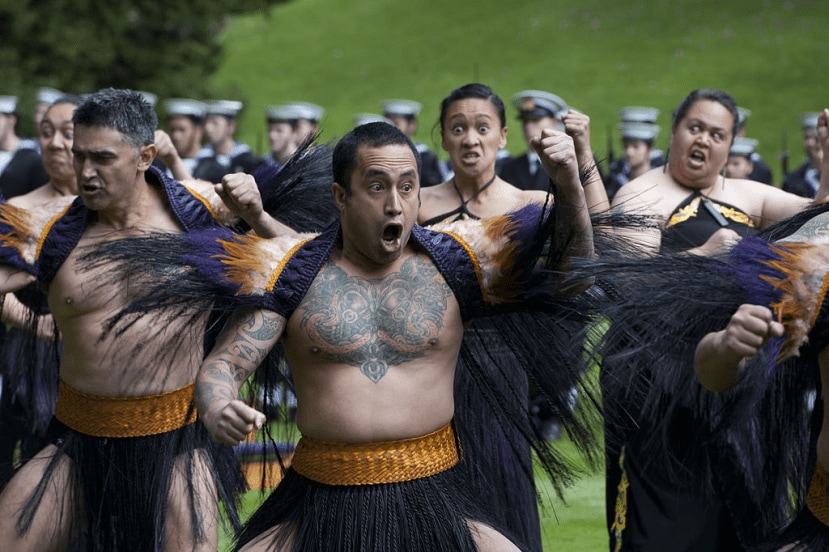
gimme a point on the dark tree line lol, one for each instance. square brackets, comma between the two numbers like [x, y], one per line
[168, 47]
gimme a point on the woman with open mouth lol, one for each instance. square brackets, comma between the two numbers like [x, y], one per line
[694, 209]
[497, 458]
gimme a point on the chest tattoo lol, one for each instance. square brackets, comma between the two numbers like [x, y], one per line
[375, 324]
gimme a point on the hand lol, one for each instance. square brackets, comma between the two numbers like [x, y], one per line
[233, 422]
[748, 331]
[558, 157]
[823, 133]
[577, 126]
[720, 241]
[241, 195]
[166, 151]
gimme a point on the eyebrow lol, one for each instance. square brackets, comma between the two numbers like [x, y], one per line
[709, 125]
[97, 153]
[380, 172]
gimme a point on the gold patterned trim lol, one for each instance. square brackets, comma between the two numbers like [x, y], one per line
[337, 463]
[125, 416]
[620, 514]
[692, 209]
[818, 498]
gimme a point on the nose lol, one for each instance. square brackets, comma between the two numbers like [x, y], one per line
[394, 206]
[84, 168]
[470, 137]
[57, 141]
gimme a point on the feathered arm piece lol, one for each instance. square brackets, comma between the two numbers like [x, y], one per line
[789, 278]
[22, 232]
[206, 193]
[508, 253]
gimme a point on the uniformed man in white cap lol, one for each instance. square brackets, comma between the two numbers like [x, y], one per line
[185, 125]
[805, 180]
[283, 122]
[740, 164]
[403, 114]
[21, 168]
[538, 110]
[220, 130]
[309, 119]
[45, 97]
[760, 172]
[361, 119]
[639, 131]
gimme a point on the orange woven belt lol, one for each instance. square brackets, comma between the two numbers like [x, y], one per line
[336, 463]
[125, 416]
[818, 498]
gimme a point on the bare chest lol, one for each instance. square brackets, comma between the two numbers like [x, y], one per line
[376, 324]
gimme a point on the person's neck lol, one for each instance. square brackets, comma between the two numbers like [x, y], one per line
[283, 156]
[475, 183]
[132, 211]
[639, 170]
[192, 152]
[704, 188]
[224, 147]
[9, 142]
[64, 187]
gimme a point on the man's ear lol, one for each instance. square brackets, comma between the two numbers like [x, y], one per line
[339, 194]
[146, 156]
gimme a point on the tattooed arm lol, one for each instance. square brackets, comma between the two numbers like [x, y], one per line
[242, 346]
[815, 230]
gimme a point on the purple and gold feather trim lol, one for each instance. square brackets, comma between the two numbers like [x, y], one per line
[788, 277]
[496, 247]
[253, 264]
[22, 231]
[205, 192]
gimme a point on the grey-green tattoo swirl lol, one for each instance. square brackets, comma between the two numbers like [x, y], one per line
[375, 324]
[814, 229]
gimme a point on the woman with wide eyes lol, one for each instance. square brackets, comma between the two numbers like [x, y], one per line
[701, 210]
[55, 135]
[473, 128]
[29, 370]
[497, 456]
[682, 500]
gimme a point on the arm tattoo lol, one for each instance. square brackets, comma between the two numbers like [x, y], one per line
[814, 229]
[375, 324]
[236, 356]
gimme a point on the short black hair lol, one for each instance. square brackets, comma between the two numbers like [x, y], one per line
[195, 119]
[123, 110]
[372, 135]
[712, 94]
[474, 90]
[648, 141]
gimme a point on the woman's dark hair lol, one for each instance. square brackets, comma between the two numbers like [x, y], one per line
[713, 95]
[474, 90]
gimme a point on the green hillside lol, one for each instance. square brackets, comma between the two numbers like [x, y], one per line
[599, 55]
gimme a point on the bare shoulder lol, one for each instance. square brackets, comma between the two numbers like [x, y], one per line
[535, 196]
[642, 194]
[435, 200]
[769, 203]
[39, 196]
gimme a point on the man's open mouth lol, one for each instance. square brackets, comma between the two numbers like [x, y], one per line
[392, 232]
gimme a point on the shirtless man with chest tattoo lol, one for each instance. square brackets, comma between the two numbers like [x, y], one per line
[372, 343]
